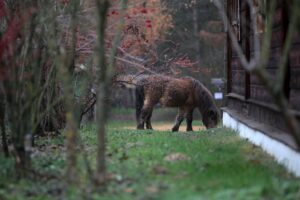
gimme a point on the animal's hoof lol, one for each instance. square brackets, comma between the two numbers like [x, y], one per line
[140, 127]
[174, 129]
[149, 127]
[189, 130]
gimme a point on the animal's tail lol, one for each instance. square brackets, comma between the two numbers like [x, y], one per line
[139, 100]
[136, 82]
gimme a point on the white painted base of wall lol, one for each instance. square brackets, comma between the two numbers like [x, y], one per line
[281, 152]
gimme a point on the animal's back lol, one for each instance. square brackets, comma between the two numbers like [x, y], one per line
[151, 79]
[178, 92]
[168, 91]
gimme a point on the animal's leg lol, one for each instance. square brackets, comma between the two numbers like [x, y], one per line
[179, 119]
[146, 111]
[148, 121]
[189, 120]
[143, 117]
[140, 122]
[139, 103]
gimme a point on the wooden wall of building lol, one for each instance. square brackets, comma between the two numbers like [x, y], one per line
[294, 61]
[246, 94]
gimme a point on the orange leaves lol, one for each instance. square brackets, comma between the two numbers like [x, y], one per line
[146, 22]
[185, 62]
[177, 64]
[148, 19]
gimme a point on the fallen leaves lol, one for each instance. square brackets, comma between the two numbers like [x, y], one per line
[173, 157]
[152, 189]
[160, 170]
[129, 190]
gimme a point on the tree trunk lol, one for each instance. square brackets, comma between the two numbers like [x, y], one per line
[71, 137]
[2, 124]
[22, 161]
[102, 94]
[72, 112]
[101, 122]
[104, 82]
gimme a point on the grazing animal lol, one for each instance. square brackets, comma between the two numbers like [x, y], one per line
[185, 93]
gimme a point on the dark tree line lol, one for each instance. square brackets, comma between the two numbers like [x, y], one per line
[41, 88]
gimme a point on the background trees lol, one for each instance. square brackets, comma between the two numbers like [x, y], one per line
[28, 74]
[57, 56]
[60, 58]
[190, 42]
[197, 40]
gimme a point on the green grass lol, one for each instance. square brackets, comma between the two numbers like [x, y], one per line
[220, 165]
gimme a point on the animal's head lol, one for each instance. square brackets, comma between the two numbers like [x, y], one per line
[211, 118]
[207, 107]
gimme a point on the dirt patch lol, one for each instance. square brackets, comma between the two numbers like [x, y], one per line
[168, 127]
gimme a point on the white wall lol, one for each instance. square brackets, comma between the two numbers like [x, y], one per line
[281, 152]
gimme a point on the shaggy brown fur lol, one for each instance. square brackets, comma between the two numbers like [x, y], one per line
[184, 93]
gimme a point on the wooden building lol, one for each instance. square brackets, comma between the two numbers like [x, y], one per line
[250, 109]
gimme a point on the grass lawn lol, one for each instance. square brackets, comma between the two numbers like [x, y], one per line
[206, 164]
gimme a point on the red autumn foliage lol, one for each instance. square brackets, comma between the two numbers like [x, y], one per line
[144, 11]
[185, 62]
[12, 38]
[143, 28]
[13, 30]
[2, 9]
[65, 2]
[114, 12]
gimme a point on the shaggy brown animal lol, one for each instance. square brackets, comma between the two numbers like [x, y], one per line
[185, 93]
